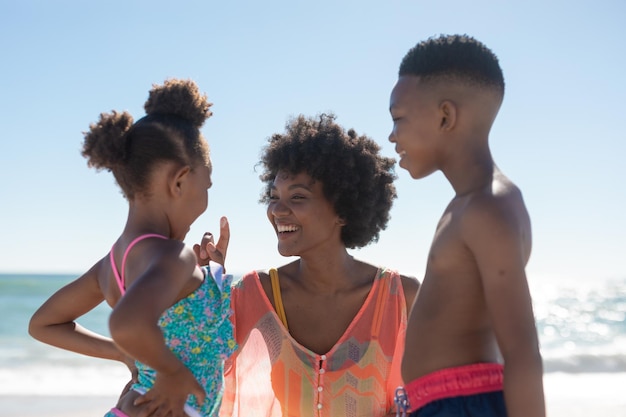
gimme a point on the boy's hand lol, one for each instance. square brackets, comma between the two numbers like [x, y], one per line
[169, 394]
[207, 250]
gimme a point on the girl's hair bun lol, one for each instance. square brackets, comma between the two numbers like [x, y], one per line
[104, 145]
[181, 98]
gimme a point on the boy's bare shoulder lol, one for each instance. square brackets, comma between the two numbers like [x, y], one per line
[502, 202]
[495, 223]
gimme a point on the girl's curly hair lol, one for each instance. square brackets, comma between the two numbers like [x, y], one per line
[356, 179]
[170, 131]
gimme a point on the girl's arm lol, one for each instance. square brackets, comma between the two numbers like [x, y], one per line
[170, 273]
[54, 322]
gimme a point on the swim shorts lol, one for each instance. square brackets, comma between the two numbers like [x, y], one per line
[471, 390]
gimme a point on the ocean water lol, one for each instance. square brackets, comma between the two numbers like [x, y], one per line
[30, 367]
[582, 331]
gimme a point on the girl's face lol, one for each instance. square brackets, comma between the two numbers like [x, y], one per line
[195, 198]
[304, 220]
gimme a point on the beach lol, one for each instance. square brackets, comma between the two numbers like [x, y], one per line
[588, 395]
[55, 406]
[582, 331]
[567, 395]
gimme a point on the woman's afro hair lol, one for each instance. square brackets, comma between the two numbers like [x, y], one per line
[356, 179]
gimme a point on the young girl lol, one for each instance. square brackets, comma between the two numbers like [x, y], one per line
[169, 315]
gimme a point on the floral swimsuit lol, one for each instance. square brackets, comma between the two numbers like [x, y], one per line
[198, 331]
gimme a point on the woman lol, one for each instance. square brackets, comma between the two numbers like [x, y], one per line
[322, 335]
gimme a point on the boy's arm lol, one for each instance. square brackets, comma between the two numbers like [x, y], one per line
[500, 243]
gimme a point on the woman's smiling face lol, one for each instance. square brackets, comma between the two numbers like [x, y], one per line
[302, 216]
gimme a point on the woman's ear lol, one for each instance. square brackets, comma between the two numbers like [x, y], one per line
[448, 114]
[177, 180]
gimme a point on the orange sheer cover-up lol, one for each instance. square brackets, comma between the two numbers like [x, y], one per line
[272, 375]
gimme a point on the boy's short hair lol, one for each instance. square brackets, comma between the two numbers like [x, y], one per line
[458, 57]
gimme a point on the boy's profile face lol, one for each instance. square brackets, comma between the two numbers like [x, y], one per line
[415, 114]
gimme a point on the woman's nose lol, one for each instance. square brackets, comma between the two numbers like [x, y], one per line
[277, 208]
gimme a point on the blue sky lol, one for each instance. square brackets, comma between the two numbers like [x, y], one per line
[559, 134]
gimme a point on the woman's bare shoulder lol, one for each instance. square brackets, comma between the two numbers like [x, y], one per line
[411, 286]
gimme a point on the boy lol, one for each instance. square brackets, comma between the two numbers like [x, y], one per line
[474, 306]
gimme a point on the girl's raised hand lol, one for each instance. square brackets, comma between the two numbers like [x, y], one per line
[207, 250]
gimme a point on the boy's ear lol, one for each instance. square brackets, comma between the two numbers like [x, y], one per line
[447, 113]
[177, 180]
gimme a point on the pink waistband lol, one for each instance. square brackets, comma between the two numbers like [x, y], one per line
[118, 412]
[472, 379]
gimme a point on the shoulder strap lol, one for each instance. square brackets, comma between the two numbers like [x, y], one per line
[120, 277]
[278, 299]
[383, 281]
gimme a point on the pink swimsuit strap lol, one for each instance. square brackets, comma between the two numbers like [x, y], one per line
[120, 278]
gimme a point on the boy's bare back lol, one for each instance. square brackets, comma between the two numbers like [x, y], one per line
[451, 323]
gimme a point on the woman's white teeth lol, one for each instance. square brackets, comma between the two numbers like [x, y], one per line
[286, 228]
